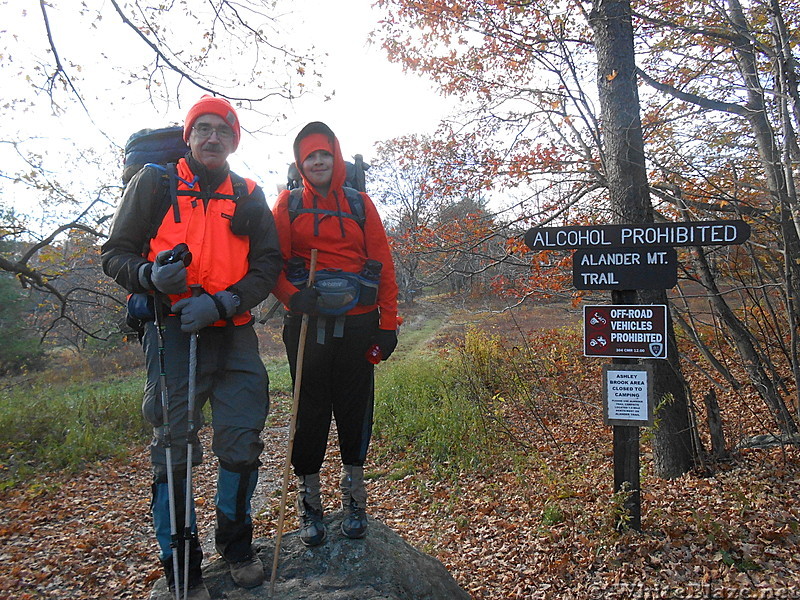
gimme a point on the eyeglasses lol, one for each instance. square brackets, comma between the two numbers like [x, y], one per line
[204, 131]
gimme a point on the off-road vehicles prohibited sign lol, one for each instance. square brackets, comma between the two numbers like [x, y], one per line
[625, 331]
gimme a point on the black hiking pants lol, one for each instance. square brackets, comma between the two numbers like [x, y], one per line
[338, 382]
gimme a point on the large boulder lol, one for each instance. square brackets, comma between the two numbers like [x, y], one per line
[381, 566]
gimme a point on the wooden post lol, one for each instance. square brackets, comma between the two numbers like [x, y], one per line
[626, 473]
[718, 446]
[626, 446]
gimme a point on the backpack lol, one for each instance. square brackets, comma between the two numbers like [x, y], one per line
[355, 182]
[152, 146]
[162, 149]
[354, 199]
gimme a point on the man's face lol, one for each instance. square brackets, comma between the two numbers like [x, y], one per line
[211, 141]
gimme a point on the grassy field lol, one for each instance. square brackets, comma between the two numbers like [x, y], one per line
[489, 453]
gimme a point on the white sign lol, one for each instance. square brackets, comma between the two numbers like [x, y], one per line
[627, 394]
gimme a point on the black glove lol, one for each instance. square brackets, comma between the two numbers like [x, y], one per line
[203, 310]
[304, 301]
[387, 341]
[168, 277]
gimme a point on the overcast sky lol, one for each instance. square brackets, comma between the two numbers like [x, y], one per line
[374, 100]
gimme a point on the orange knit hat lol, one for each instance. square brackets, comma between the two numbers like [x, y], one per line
[209, 105]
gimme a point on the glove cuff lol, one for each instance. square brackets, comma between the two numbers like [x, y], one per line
[223, 313]
[229, 301]
[144, 275]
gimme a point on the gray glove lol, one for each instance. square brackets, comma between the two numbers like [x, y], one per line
[201, 311]
[168, 277]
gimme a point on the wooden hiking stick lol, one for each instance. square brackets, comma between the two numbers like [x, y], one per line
[298, 377]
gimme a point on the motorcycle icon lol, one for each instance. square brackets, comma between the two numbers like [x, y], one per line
[598, 319]
[598, 341]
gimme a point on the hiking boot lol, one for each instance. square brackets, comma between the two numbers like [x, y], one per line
[309, 509]
[197, 589]
[312, 527]
[354, 522]
[248, 573]
[354, 502]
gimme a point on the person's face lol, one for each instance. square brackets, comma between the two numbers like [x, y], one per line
[318, 169]
[211, 141]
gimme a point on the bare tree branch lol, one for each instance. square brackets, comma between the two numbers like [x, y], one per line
[701, 101]
[59, 66]
[183, 73]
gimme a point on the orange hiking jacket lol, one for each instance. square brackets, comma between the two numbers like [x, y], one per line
[340, 242]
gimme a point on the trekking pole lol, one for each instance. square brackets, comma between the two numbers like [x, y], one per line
[167, 440]
[179, 253]
[187, 521]
[298, 377]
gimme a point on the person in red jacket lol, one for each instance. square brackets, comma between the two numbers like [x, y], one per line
[337, 378]
[226, 225]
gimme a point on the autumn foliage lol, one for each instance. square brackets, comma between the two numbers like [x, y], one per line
[719, 96]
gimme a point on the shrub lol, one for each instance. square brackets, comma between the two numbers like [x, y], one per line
[418, 405]
[46, 427]
[19, 347]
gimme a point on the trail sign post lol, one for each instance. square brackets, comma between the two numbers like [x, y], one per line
[625, 258]
[690, 233]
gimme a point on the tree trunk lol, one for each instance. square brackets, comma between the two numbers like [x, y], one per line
[752, 361]
[624, 166]
[778, 168]
[718, 447]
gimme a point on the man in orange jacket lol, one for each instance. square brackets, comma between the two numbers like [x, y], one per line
[226, 224]
[346, 320]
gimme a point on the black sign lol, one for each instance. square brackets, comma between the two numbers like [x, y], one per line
[625, 331]
[625, 269]
[691, 233]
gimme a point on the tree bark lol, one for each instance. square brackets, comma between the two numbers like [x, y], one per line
[625, 170]
[718, 447]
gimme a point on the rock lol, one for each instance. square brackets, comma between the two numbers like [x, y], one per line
[381, 566]
[769, 440]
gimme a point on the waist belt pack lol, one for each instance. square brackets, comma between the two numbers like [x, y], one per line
[140, 310]
[340, 291]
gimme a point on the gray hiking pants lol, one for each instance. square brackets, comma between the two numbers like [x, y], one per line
[230, 374]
